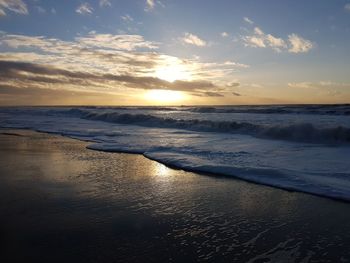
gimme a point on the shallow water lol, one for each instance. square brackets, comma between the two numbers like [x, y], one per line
[302, 148]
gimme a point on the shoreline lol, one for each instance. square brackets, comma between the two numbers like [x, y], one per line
[62, 202]
[199, 172]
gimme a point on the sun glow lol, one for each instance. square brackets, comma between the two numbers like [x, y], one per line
[173, 69]
[164, 96]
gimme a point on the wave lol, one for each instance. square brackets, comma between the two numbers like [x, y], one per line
[338, 109]
[343, 109]
[332, 110]
[318, 169]
[300, 132]
[281, 178]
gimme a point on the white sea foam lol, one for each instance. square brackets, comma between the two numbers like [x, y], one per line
[297, 155]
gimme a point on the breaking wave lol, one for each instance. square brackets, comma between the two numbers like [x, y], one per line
[211, 142]
[300, 132]
[343, 109]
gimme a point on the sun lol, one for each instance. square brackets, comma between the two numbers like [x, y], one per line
[164, 96]
[173, 72]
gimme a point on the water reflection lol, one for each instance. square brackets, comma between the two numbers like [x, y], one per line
[162, 170]
[122, 207]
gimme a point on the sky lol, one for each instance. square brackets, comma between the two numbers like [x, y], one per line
[167, 52]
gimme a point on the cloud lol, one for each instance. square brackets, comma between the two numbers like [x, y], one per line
[208, 94]
[302, 85]
[40, 9]
[25, 72]
[193, 40]
[104, 63]
[317, 85]
[32, 91]
[254, 41]
[93, 51]
[120, 42]
[16, 6]
[275, 42]
[235, 64]
[105, 3]
[262, 40]
[150, 4]
[127, 18]
[299, 44]
[294, 43]
[347, 7]
[224, 34]
[29, 95]
[246, 19]
[258, 31]
[84, 9]
[233, 84]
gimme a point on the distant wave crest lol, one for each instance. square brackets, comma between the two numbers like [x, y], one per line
[301, 132]
[334, 110]
[278, 109]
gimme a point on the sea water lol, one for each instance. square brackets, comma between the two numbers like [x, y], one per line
[301, 148]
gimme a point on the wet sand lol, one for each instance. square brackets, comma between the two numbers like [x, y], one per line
[60, 202]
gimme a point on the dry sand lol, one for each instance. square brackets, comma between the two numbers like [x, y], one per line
[60, 202]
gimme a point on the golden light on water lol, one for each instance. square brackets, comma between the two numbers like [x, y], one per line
[164, 96]
[162, 170]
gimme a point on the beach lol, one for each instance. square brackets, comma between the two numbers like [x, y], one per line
[174, 131]
[61, 202]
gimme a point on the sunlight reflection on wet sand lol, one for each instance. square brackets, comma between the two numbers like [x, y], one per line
[127, 207]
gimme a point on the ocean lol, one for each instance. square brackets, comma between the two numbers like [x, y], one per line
[302, 148]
